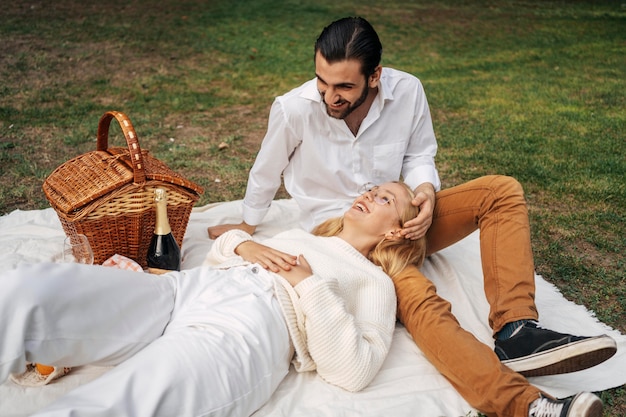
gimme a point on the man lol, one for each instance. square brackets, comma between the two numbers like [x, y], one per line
[358, 123]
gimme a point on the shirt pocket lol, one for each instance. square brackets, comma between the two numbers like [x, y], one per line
[388, 160]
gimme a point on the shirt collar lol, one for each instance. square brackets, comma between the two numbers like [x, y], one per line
[385, 90]
[310, 91]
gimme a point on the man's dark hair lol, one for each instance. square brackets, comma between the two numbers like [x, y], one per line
[351, 38]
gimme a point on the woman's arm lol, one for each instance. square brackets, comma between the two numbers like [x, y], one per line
[223, 249]
[267, 257]
[237, 242]
[348, 347]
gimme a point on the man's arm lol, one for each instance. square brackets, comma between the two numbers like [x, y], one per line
[425, 200]
[419, 167]
[265, 178]
[220, 229]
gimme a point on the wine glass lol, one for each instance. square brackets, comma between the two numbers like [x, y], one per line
[77, 249]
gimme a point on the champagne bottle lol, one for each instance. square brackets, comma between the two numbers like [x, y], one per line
[164, 252]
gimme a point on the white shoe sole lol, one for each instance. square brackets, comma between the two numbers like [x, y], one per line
[572, 357]
[585, 404]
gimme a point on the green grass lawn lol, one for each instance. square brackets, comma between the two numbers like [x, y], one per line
[532, 89]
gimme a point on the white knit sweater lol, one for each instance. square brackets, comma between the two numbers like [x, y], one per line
[341, 318]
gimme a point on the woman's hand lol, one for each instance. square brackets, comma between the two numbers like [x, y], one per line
[268, 258]
[425, 200]
[298, 273]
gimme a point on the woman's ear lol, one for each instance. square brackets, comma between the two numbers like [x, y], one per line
[394, 234]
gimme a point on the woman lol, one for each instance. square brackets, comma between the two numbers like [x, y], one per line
[217, 341]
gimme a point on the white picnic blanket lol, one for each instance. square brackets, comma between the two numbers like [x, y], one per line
[407, 385]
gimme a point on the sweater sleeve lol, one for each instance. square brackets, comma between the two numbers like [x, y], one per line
[223, 249]
[348, 347]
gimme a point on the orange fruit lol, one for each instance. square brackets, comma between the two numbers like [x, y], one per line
[44, 369]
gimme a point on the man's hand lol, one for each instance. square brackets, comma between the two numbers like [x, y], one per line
[425, 200]
[298, 273]
[268, 258]
[220, 229]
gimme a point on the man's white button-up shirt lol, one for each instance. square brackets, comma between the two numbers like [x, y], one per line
[324, 165]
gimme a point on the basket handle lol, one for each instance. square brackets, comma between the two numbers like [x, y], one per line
[131, 139]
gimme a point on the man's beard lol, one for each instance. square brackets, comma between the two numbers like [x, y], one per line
[352, 107]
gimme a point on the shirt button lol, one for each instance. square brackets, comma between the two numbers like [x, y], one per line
[255, 269]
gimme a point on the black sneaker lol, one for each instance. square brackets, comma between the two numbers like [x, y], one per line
[534, 351]
[582, 405]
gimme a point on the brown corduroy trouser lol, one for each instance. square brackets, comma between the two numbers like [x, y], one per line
[496, 206]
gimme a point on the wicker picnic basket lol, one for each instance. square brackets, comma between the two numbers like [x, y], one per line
[108, 195]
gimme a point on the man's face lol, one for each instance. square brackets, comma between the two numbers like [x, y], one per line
[341, 84]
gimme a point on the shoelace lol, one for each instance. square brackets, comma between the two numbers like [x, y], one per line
[543, 407]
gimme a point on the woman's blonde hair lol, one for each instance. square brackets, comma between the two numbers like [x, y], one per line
[392, 255]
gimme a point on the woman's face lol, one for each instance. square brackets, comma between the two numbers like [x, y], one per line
[379, 209]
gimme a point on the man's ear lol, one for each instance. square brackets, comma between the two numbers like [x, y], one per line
[394, 234]
[373, 79]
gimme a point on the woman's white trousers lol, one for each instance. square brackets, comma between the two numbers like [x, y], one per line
[201, 342]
